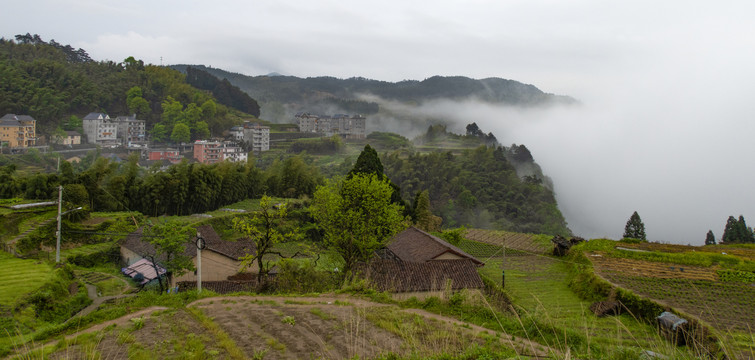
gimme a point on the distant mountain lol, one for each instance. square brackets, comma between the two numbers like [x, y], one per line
[317, 90]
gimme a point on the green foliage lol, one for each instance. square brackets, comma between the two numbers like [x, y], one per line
[634, 228]
[477, 188]
[181, 133]
[330, 145]
[710, 239]
[301, 276]
[737, 232]
[53, 302]
[386, 140]
[453, 236]
[357, 216]
[264, 229]
[729, 275]
[170, 240]
[109, 255]
[50, 81]
[367, 163]
[226, 93]
[423, 216]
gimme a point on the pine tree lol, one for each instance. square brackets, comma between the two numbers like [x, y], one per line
[367, 163]
[635, 229]
[730, 231]
[744, 233]
[710, 239]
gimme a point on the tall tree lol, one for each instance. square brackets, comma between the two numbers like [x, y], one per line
[423, 216]
[737, 232]
[744, 233]
[368, 162]
[357, 216]
[264, 229]
[181, 133]
[635, 229]
[710, 239]
[730, 231]
[169, 239]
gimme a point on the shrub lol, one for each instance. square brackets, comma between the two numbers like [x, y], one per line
[302, 276]
[110, 255]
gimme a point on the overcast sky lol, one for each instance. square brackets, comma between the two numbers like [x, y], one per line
[667, 120]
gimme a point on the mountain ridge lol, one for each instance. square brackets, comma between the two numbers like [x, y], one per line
[289, 89]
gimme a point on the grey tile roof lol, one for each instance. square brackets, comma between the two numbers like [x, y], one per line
[231, 249]
[398, 276]
[415, 245]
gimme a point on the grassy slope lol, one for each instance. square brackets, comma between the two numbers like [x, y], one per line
[19, 277]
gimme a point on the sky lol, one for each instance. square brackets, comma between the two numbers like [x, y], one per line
[666, 120]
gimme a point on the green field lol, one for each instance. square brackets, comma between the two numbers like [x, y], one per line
[19, 277]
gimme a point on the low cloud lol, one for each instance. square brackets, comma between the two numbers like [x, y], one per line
[667, 162]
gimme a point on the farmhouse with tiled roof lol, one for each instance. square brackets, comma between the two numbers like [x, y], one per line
[220, 258]
[415, 263]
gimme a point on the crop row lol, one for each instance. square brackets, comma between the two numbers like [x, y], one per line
[19, 276]
[510, 240]
[724, 305]
[633, 267]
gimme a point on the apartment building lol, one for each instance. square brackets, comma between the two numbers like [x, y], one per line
[18, 131]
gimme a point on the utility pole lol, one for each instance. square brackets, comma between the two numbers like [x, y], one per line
[200, 245]
[60, 207]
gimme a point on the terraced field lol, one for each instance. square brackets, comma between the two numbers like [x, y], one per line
[510, 240]
[538, 286]
[696, 291]
[610, 266]
[18, 277]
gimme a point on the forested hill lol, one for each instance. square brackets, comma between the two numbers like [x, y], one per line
[53, 82]
[343, 92]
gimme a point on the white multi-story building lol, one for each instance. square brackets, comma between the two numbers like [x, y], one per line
[258, 136]
[131, 130]
[348, 126]
[231, 152]
[100, 129]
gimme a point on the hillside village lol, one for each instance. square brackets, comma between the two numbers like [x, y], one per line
[244, 238]
[128, 132]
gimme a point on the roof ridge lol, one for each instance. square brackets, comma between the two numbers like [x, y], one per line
[448, 245]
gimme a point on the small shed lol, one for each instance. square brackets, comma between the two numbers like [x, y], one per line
[673, 328]
[143, 271]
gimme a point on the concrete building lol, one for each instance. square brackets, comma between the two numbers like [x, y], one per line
[131, 130]
[18, 131]
[72, 138]
[210, 152]
[257, 135]
[207, 151]
[100, 129]
[171, 155]
[347, 126]
[231, 152]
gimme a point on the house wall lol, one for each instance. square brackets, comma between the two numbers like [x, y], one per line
[128, 257]
[215, 267]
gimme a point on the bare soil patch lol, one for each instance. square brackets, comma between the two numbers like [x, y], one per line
[330, 327]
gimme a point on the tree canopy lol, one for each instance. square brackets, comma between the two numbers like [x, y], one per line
[357, 216]
[634, 228]
[737, 232]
